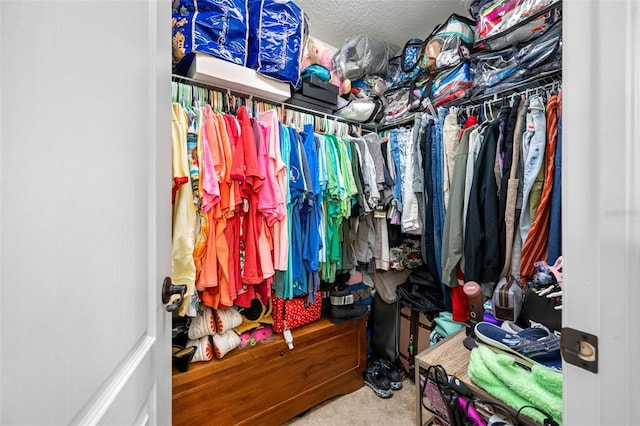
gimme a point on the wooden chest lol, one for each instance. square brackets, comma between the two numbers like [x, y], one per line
[268, 383]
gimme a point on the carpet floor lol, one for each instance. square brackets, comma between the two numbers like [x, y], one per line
[363, 407]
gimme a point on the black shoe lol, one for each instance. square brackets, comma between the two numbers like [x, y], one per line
[376, 380]
[392, 373]
[343, 307]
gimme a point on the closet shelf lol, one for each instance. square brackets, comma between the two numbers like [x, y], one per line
[218, 72]
[221, 86]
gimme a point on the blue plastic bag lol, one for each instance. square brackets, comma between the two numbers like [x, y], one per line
[278, 34]
[215, 27]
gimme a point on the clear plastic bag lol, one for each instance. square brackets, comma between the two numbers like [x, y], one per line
[362, 55]
[497, 71]
[362, 110]
[449, 44]
[503, 23]
[451, 84]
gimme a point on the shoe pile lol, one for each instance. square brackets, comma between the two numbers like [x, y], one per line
[382, 377]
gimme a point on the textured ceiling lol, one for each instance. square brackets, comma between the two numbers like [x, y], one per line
[396, 21]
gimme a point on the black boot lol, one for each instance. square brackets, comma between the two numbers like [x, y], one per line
[343, 307]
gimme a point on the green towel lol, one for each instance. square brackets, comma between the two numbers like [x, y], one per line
[444, 326]
[501, 376]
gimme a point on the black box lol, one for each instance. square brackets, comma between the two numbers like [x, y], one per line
[314, 80]
[310, 103]
[320, 94]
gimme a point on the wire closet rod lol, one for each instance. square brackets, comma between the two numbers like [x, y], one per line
[198, 83]
[545, 82]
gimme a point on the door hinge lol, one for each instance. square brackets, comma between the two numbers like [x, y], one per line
[580, 349]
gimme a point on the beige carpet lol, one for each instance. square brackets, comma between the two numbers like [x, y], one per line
[363, 407]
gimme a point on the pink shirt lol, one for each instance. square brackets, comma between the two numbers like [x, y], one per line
[267, 204]
[280, 227]
[208, 179]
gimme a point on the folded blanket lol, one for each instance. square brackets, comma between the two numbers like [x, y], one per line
[500, 375]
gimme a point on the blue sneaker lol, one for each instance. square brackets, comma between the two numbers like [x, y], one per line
[531, 345]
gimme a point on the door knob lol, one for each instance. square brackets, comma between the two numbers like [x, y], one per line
[168, 290]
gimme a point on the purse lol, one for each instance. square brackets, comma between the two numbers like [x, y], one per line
[296, 312]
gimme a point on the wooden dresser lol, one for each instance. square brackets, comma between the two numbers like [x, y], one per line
[269, 384]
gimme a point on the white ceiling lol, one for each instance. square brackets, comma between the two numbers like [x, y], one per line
[395, 21]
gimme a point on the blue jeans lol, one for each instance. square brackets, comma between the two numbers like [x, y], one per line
[437, 161]
[533, 145]
[394, 143]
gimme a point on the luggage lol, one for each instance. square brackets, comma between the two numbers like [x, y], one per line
[415, 329]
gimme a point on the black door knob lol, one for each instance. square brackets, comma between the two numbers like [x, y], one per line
[168, 290]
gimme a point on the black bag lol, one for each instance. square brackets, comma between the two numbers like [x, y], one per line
[543, 310]
[421, 293]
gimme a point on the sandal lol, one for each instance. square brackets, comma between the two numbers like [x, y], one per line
[182, 357]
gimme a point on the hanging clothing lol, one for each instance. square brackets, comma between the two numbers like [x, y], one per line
[533, 147]
[183, 269]
[450, 141]
[453, 240]
[554, 246]
[512, 183]
[481, 248]
[535, 246]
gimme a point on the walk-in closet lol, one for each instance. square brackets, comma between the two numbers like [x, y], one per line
[291, 212]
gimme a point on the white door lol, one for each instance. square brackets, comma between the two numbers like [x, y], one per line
[601, 206]
[85, 212]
